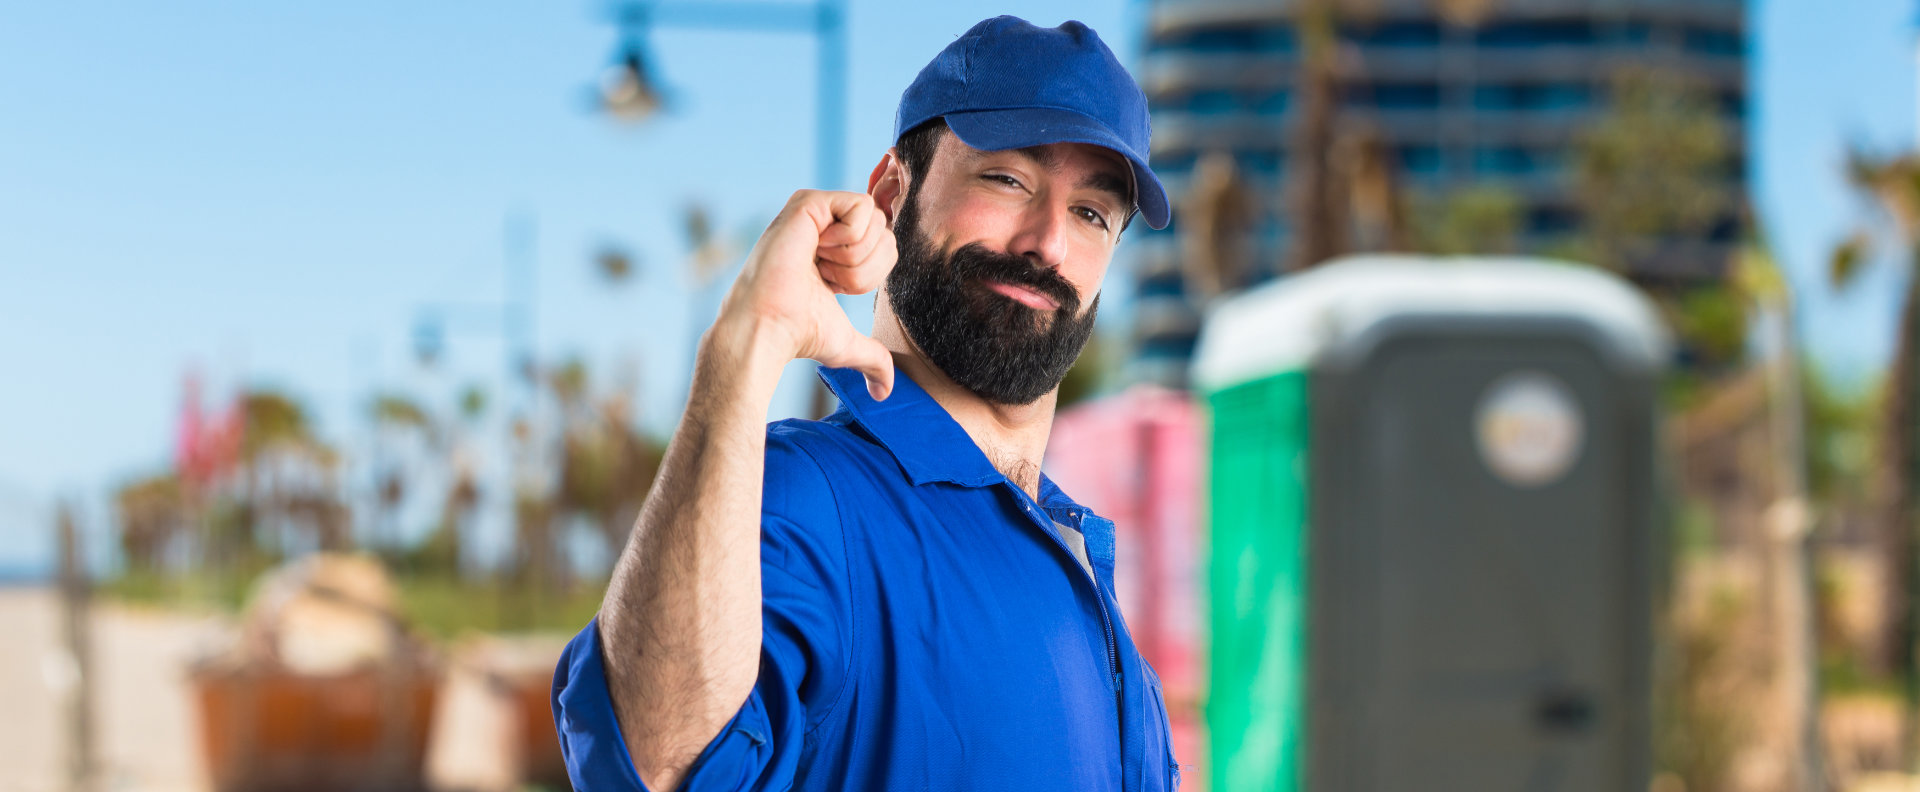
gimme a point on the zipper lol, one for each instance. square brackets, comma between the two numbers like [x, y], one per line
[1113, 662]
[1113, 644]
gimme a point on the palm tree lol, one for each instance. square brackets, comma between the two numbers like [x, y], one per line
[1215, 215]
[288, 472]
[1344, 195]
[153, 515]
[397, 417]
[606, 466]
[1317, 197]
[1893, 185]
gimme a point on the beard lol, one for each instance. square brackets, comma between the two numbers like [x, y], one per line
[1001, 349]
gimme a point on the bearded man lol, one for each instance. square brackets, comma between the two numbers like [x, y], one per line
[895, 597]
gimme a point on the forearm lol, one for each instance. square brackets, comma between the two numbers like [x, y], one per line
[680, 625]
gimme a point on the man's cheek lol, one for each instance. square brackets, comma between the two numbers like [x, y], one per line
[1093, 306]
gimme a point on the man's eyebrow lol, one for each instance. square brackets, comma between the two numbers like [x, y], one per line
[1109, 182]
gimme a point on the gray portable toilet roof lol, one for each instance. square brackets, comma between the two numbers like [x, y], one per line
[1290, 322]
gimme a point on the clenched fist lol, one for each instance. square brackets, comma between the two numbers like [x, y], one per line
[821, 244]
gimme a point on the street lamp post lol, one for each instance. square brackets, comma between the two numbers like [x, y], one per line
[629, 91]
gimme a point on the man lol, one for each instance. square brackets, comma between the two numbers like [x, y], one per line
[895, 597]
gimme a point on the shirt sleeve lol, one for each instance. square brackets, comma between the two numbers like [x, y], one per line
[804, 655]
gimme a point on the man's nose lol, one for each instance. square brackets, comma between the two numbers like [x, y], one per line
[1042, 237]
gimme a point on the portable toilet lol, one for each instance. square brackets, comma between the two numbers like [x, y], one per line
[1432, 523]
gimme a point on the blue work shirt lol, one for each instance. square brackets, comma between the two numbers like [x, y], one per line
[925, 628]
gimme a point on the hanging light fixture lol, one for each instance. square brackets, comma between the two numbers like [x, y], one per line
[627, 91]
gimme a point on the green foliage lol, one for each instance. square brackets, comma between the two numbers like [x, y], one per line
[275, 420]
[473, 402]
[1693, 529]
[230, 530]
[569, 381]
[445, 607]
[1652, 167]
[1682, 390]
[1712, 322]
[1893, 182]
[1652, 171]
[1840, 434]
[441, 606]
[1479, 218]
[437, 555]
[1845, 669]
[606, 470]
[153, 514]
[221, 590]
[392, 409]
[1844, 264]
[615, 265]
[238, 522]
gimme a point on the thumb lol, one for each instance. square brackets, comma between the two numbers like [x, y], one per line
[873, 359]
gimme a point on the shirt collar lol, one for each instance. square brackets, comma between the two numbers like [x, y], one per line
[931, 446]
[927, 442]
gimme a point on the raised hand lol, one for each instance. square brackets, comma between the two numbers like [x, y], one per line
[821, 244]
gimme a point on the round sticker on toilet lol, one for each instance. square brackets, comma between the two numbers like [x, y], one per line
[1529, 428]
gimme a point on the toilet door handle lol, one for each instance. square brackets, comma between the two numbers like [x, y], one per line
[1564, 711]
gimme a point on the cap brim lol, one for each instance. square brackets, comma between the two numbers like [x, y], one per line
[998, 130]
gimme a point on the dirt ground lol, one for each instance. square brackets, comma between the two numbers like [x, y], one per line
[148, 738]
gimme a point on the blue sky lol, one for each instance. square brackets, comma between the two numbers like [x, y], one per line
[269, 192]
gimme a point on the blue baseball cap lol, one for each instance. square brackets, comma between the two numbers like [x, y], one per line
[1007, 83]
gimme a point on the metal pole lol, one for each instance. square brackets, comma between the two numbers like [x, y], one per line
[831, 86]
[830, 117]
[77, 643]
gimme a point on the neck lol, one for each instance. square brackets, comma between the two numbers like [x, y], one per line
[1014, 437]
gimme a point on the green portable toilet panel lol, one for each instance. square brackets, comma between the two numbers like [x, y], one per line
[1430, 519]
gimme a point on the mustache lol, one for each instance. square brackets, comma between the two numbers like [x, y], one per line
[974, 263]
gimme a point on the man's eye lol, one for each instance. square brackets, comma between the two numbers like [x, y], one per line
[1093, 216]
[1002, 179]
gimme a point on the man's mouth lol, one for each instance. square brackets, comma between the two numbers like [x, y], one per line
[1024, 295]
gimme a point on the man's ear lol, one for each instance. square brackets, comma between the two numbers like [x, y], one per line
[887, 184]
